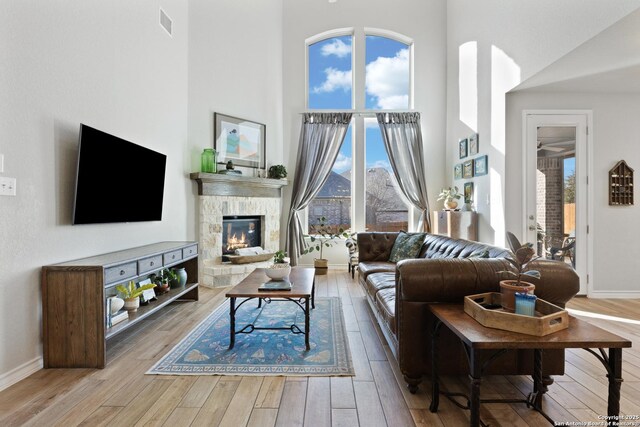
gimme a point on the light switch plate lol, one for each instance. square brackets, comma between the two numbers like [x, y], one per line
[7, 186]
[1, 163]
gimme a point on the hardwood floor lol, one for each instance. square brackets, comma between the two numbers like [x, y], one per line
[121, 395]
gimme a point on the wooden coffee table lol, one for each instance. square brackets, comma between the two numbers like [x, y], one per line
[474, 336]
[302, 292]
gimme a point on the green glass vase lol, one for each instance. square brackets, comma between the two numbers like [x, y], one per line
[208, 160]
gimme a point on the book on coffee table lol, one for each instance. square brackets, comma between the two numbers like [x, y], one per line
[275, 285]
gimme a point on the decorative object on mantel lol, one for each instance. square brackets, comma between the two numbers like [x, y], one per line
[449, 195]
[523, 255]
[208, 161]
[230, 169]
[621, 185]
[239, 140]
[277, 172]
[280, 268]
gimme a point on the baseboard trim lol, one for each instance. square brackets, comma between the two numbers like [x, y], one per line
[614, 294]
[21, 372]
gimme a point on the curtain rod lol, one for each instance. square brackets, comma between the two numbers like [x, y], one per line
[360, 112]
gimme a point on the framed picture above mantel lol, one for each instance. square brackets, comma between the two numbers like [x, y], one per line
[239, 140]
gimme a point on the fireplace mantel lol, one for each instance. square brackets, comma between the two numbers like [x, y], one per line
[211, 184]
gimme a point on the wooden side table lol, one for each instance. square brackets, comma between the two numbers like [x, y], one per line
[476, 337]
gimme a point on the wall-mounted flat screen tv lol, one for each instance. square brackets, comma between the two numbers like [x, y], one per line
[117, 180]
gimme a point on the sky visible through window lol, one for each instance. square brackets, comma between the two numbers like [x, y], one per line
[387, 86]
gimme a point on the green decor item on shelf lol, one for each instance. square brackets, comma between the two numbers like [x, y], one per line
[208, 161]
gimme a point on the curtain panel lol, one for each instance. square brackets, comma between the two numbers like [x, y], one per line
[402, 138]
[321, 137]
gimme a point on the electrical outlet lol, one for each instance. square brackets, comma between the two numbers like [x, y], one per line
[7, 186]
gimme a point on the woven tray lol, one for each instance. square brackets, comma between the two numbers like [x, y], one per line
[246, 259]
[549, 318]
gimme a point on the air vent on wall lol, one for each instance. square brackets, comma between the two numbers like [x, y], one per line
[166, 22]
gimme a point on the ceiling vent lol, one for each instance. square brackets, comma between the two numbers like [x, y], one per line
[166, 22]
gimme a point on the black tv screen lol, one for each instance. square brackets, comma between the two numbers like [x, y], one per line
[117, 180]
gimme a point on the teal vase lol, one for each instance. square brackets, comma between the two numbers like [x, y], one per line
[182, 276]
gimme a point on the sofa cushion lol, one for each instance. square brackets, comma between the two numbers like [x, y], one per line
[370, 267]
[378, 281]
[438, 247]
[386, 303]
[406, 246]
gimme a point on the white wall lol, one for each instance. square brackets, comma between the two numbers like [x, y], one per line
[104, 63]
[615, 229]
[235, 68]
[500, 44]
[422, 21]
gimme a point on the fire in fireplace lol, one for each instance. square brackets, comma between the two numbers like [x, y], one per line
[240, 232]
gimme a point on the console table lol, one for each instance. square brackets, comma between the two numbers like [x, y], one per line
[456, 224]
[75, 331]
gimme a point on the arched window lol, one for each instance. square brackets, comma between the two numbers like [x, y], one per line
[361, 193]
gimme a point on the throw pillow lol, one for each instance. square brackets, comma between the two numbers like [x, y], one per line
[482, 253]
[406, 246]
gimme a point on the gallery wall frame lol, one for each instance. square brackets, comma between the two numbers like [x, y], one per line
[467, 169]
[480, 165]
[462, 147]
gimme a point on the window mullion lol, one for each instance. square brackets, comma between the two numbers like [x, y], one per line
[358, 176]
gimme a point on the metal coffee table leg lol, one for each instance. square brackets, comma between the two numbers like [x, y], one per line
[232, 322]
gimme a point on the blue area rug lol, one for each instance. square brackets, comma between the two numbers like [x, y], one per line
[205, 351]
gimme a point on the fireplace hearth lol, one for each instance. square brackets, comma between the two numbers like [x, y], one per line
[240, 232]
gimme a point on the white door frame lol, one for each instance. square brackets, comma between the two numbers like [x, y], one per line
[584, 162]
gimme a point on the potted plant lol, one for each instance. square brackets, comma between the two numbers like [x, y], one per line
[277, 172]
[131, 294]
[450, 195]
[162, 280]
[323, 236]
[522, 257]
[280, 268]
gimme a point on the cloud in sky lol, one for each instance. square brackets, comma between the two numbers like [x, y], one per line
[335, 80]
[342, 163]
[388, 81]
[337, 47]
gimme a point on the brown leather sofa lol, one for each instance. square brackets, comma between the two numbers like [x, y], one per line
[445, 272]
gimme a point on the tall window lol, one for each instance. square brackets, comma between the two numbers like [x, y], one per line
[383, 83]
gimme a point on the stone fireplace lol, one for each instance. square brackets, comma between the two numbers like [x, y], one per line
[242, 199]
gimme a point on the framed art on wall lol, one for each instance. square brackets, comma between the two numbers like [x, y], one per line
[473, 144]
[239, 140]
[462, 145]
[457, 171]
[480, 166]
[467, 169]
[468, 192]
